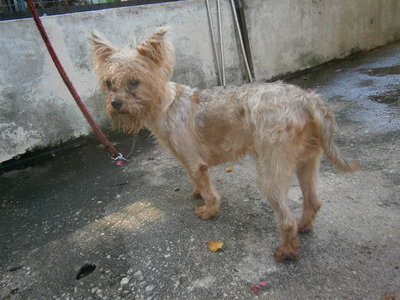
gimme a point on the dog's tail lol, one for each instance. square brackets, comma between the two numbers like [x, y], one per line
[327, 124]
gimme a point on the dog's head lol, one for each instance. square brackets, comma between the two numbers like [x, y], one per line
[134, 80]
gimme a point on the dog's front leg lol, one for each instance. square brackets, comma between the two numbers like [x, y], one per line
[203, 185]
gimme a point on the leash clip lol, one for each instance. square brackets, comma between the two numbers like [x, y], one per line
[119, 159]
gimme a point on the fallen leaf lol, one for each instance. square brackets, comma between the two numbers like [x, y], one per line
[228, 170]
[214, 246]
[219, 179]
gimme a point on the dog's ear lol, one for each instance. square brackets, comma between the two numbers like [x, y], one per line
[158, 34]
[152, 48]
[101, 48]
[156, 49]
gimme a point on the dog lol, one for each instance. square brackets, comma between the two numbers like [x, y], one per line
[285, 128]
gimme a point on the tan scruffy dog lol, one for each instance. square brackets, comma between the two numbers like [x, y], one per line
[282, 126]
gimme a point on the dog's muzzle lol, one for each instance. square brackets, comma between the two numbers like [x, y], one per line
[117, 104]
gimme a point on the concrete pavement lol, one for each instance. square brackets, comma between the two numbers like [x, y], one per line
[75, 226]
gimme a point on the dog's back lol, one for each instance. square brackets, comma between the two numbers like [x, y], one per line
[239, 120]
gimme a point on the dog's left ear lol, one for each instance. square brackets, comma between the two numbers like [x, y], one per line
[152, 48]
[156, 49]
[101, 49]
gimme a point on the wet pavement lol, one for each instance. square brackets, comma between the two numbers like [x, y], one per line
[76, 226]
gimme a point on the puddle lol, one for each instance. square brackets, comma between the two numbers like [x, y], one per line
[383, 71]
[376, 96]
[391, 97]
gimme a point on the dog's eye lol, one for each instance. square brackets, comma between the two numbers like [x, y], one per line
[133, 83]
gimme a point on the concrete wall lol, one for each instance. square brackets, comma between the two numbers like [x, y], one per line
[291, 35]
[36, 109]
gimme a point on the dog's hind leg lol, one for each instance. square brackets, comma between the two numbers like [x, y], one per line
[204, 186]
[196, 191]
[307, 172]
[275, 170]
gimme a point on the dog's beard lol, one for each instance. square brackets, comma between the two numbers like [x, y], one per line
[127, 122]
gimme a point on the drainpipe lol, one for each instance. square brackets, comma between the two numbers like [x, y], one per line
[214, 42]
[221, 43]
[241, 40]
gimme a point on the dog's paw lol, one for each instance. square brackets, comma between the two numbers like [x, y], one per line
[288, 251]
[205, 213]
[304, 227]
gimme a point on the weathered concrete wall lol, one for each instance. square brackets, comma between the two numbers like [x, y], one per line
[292, 35]
[36, 109]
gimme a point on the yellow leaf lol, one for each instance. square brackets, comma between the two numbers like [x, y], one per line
[228, 170]
[214, 246]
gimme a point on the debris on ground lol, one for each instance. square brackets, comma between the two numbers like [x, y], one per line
[257, 287]
[215, 246]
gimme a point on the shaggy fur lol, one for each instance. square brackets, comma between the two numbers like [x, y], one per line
[282, 126]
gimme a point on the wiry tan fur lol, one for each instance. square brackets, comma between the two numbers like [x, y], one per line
[282, 126]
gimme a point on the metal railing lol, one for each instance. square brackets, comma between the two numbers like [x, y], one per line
[15, 9]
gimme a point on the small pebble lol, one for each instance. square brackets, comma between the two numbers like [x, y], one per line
[139, 275]
[150, 288]
[124, 281]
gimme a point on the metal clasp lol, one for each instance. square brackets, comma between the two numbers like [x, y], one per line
[119, 157]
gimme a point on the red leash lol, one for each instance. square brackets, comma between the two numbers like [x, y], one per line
[108, 146]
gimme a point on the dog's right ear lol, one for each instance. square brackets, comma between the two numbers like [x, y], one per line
[101, 48]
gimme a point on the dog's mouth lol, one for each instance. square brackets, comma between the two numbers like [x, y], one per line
[128, 122]
[122, 106]
[120, 111]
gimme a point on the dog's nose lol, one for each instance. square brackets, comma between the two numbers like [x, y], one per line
[117, 103]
